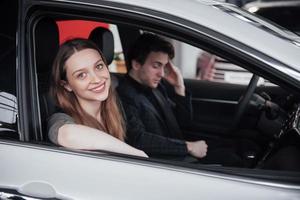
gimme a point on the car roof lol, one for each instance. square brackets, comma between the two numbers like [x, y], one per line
[223, 18]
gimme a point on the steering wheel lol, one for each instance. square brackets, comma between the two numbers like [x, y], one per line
[244, 100]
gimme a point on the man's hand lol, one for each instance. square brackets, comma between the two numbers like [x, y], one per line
[174, 77]
[197, 149]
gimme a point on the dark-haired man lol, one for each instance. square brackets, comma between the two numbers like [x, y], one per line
[156, 104]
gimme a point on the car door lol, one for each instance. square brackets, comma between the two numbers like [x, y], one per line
[215, 104]
[36, 172]
[34, 169]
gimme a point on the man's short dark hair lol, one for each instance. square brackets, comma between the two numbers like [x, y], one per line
[145, 44]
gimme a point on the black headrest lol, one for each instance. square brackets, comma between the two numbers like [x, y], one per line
[46, 44]
[8, 64]
[104, 39]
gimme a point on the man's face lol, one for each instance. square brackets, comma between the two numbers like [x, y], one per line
[152, 71]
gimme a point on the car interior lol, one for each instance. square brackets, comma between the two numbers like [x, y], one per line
[221, 110]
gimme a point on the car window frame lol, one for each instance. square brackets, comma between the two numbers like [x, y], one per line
[198, 36]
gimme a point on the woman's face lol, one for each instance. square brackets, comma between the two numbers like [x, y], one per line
[87, 76]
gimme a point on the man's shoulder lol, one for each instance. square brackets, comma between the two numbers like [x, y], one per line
[130, 94]
[126, 89]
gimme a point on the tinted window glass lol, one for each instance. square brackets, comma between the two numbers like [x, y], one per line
[287, 17]
[8, 101]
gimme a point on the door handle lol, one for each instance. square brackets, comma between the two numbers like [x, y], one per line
[38, 189]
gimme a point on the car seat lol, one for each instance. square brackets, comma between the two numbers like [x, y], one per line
[46, 46]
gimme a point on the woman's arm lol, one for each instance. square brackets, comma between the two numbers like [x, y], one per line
[82, 137]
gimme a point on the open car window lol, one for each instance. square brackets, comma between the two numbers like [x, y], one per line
[211, 67]
[215, 100]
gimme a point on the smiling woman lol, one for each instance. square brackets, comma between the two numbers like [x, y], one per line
[90, 117]
[88, 78]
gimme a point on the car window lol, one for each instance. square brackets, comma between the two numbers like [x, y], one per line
[213, 112]
[214, 68]
[118, 65]
[8, 100]
[195, 63]
[202, 65]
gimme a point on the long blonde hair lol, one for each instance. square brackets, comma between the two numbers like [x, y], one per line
[112, 118]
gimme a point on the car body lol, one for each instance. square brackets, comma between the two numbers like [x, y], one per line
[33, 168]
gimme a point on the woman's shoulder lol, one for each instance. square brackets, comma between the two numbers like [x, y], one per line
[58, 116]
[56, 121]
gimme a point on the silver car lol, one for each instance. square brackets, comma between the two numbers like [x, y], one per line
[33, 168]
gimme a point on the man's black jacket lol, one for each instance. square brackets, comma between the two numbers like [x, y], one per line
[146, 124]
